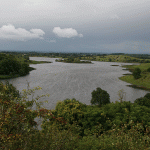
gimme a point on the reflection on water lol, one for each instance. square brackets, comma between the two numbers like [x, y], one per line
[68, 80]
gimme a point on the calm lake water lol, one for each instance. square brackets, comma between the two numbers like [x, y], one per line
[68, 80]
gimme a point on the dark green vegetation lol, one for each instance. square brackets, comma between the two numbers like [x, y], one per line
[144, 101]
[15, 65]
[11, 67]
[100, 97]
[137, 73]
[72, 125]
[72, 60]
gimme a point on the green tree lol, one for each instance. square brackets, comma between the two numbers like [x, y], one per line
[148, 69]
[147, 96]
[137, 73]
[100, 97]
[9, 90]
[143, 101]
[9, 66]
[24, 69]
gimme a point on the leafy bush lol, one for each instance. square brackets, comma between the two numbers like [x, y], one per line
[9, 90]
[137, 73]
[148, 69]
[147, 95]
[100, 97]
[117, 139]
[70, 109]
[143, 101]
[16, 119]
[122, 113]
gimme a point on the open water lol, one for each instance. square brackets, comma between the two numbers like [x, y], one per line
[72, 80]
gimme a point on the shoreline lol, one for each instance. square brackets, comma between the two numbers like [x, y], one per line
[141, 83]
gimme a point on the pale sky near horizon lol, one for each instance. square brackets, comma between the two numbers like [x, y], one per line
[107, 26]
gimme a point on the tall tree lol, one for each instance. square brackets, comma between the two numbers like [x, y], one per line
[100, 97]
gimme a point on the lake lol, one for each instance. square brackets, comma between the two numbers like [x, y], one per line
[72, 80]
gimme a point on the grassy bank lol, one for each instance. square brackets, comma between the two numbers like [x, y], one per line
[116, 58]
[144, 81]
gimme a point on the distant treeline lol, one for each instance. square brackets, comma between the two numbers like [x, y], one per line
[114, 57]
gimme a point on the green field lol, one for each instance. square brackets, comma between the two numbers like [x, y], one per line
[144, 81]
[115, 58]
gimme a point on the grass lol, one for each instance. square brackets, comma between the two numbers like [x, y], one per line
[114, 58]
[144, 81]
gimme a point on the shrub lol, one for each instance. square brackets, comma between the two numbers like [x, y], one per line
[137, 73]
[16, 119]
[147, 95]
[143, 101]
[148, 69]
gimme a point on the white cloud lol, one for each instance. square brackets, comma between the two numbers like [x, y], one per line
[9, 32]
[66, 32]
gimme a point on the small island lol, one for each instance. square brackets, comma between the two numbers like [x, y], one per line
[72, 60]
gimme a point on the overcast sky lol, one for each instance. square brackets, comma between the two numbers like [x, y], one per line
[106, 26]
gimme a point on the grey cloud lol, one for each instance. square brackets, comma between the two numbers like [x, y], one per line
[119, 25]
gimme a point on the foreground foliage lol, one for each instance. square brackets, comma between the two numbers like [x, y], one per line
[72, 125]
